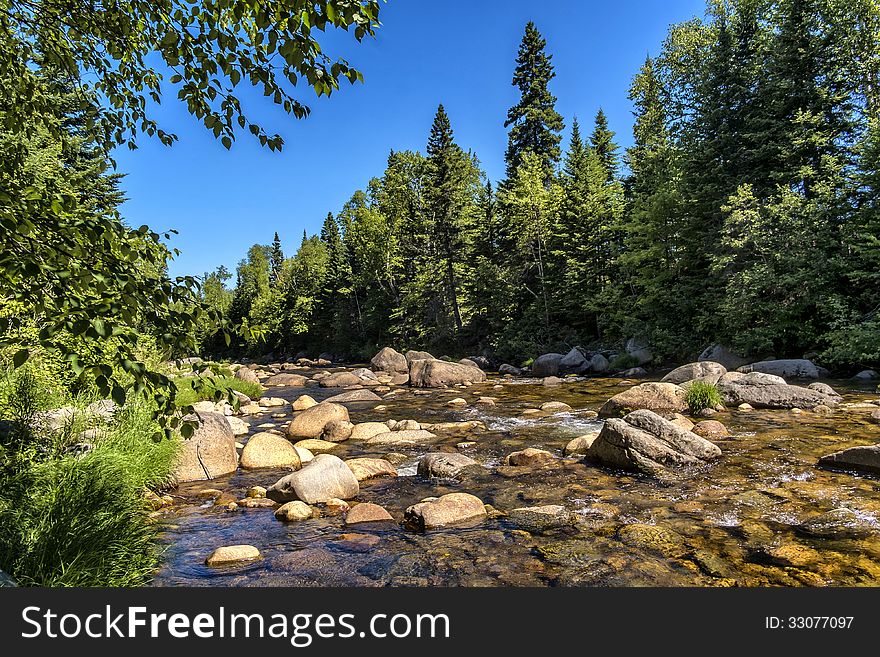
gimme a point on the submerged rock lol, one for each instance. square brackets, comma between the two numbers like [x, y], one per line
[354, 396]
[645, 442]
[863, 459]
[541, 518]
[840, 523]
[367, 512]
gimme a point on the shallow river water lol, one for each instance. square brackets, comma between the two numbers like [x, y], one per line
[735, 522]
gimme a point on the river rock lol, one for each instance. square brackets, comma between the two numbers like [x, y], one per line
[840, 523]
[239, 427]
[369, 468]
[446, 510]
[824, 388]
[287, 379]
[874, 417]
[305, 455]
[367, 512]
[530, 457]
[639, 350]
[325, 478]
[209, 452]
[723, 356]
[412, 356]
[316, 446]
[791, 368]
[657, 397]
[439, 374]
[248, 375]
[405, 437]
[574, 361]
[468, 362]
[340, 380]
[354, 396]
[312, 421]
[272, 401]
[230, 554]
[445, 466]
[303, 402]
[547, 365]
[268, 450]
[541, 518]
[551, 381]
[710, 429]
[646, 442]
[762, 390]
[337, 431]
[581, 444]
[863, 459]
[867, 375]
[506, 368]
[366, 430]
[389, 360]
[555, 407]
[635, 373]
[295, 511]
[705, 370]
[599, 364]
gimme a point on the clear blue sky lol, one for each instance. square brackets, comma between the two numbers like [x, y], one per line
[458, 52]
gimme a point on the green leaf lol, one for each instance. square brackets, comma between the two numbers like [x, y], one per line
[20, 357]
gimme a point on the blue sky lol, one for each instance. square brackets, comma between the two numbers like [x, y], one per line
[457, 52]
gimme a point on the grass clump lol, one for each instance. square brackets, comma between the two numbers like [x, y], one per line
[702, 395]
[68, 520]
[623, 362]
[192, 390]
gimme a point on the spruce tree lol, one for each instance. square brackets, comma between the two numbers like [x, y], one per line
[276, 259]
[602, 143]
[534, 123]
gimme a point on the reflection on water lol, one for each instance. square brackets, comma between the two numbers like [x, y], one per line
[744, 520]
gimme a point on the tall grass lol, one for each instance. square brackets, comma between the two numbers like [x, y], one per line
[701, 395]
[68, 521]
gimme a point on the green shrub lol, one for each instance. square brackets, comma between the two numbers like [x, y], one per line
[702, 395]
[191, 390]
[623, 362]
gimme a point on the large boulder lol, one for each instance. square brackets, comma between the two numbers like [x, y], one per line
[449, 509]
[246, 374]
[769, 391]
[286, 379]
[645, 442]
[862, 459]
[352, 396]
[547, 365]
[867, 375]
[574, 361]
[311, 422]
[209, 452]
[324, 478]
[412, 356]
[445, 466]
[706, 370]
[599, 364]
[639, 350]
[439, 373]
[389, 360]
[340, 380]
[657, 397]
[722, 355]
[269, 450]
[789, 368]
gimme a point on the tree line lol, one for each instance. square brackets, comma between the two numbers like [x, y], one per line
[745, 212]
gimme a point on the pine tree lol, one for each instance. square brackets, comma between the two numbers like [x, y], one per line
[602, 143]
[534, 123]
[276, 259]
